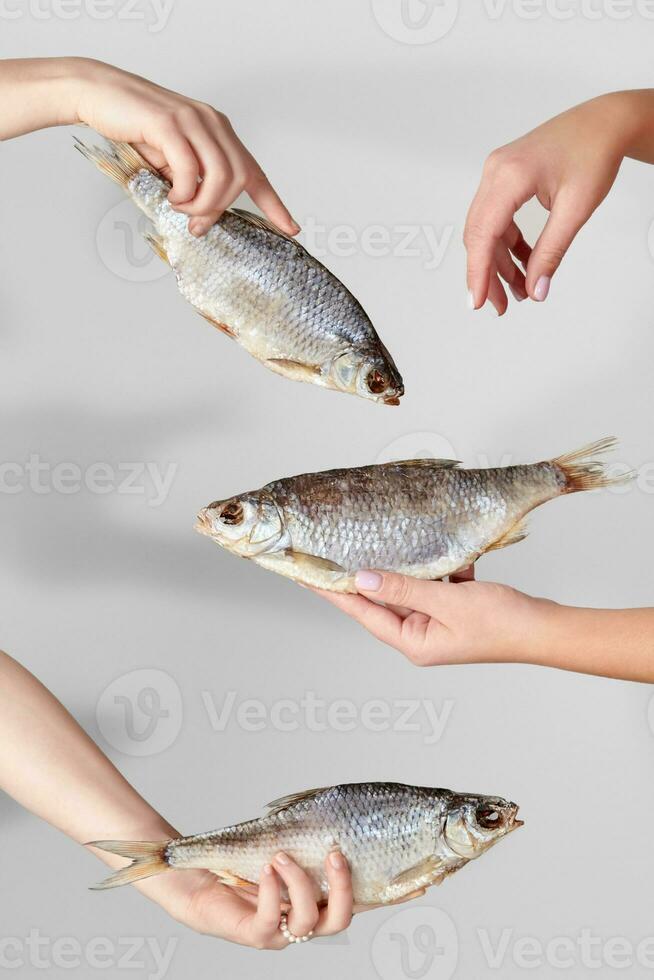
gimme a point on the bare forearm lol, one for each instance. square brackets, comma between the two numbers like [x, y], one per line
[38, 92]
[49, 765]
[616, 643]
[639, 113]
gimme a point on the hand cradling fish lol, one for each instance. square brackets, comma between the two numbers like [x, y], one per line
[397, 839]
[422, 517]
[260, 287]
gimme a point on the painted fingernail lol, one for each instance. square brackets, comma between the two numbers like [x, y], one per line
[337, 861]
[267, 869]
[471, 300]
[542, 288]
[282, 858]
[368, 581]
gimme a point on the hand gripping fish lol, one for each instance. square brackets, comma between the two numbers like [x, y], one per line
[422, 517]
[260, 287]
[397, 840]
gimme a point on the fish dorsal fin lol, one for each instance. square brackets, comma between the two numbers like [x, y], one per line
[437, 464]
[285, 801]
[258, 221]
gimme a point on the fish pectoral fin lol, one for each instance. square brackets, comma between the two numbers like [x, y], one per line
[437, 464]
[218, 325]
[285, 801]
[430, 871]
[313, 561]
[294, 370]
[157, 245]
[307, 569]
[517, 533]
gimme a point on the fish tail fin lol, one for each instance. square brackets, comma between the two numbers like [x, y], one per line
[584, 472]
[120, 161]
[148, 858]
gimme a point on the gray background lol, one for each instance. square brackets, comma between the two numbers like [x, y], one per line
[356, 128]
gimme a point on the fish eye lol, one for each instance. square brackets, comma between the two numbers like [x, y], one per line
[487, 817]
[377, 382]
[232, 513]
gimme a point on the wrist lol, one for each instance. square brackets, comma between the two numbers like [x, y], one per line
[529, 624]
[147, 826]
[629, 115]
[522, 627]
[73, 77]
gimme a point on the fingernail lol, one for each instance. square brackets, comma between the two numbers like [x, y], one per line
[471, 300]
[518, 295]
[491, 309]
[368, 581]
[542, 288]
[282, 858]
[267, 869]
[196, 227]
[296, 225]
[337, 861]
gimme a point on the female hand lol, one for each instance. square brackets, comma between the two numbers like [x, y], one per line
[569, 164]
[463, 621]
[460, 621]
[200, 901]
[191, 143]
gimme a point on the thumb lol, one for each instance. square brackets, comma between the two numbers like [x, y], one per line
[565, 220]
[398, 590]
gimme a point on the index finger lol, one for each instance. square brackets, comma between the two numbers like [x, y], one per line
[383, 623]
[490, 215]
[268, 200]
[338, 914]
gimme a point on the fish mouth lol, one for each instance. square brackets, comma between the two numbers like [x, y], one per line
[515, 823]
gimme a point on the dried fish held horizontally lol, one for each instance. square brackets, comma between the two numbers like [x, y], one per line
[423, 517]
[397, 839]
